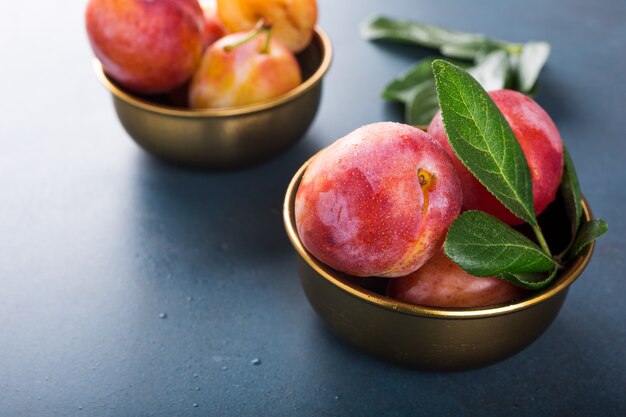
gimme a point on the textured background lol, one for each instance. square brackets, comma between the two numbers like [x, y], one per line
[97, 240]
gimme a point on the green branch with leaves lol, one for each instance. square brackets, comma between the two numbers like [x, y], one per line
[494, 63]
[482, 139]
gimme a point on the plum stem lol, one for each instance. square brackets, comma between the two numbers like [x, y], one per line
[261, 26]
[267, 28]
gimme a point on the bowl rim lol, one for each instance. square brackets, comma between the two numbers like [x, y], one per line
[319, 36]
[567, 277]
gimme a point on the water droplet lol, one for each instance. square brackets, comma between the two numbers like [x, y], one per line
[162, 315]
[196, 375]
[197, 388]
[80, 407]
[255, 361]
[224, 368]
[195, 405]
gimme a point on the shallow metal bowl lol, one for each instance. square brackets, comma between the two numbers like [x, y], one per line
[228, 137]
[420, 336]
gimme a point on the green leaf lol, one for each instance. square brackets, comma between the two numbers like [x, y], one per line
[530, 281]
[403, 87]
[524, 64]
[483, 140]
[570, 191]
[422, 108]
[484, 246]
[588, 232]
[492, 71]
[531, 60]
[466, 51]
[416, 89]
[457, 44]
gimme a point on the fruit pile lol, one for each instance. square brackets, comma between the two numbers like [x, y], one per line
[221, 54]
[379, 202]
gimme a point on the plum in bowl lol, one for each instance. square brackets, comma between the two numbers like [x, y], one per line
[431, 338]
[223, 138]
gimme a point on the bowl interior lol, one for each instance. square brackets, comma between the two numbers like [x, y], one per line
[314, 63]
[372, 290]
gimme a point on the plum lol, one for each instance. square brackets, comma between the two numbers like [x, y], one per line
[147, 46]
[213, 26]
[378, 202]
[441, 283]
[540, 141]
[243, 68]
[293, 20]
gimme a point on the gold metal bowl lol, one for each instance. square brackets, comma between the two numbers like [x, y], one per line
[228, 137]
[418, 336]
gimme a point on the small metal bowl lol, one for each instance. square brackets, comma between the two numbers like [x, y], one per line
[418, 336]
[228, 137]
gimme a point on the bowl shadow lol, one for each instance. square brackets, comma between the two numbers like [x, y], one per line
[546, 369]
[214, 219]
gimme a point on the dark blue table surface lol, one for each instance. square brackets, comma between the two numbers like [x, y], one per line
[132, 288]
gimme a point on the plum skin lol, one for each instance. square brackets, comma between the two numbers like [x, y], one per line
[377, 202]
[441, 283]
[243, 75]
[293, 22]
[540, 141]
[148, 47]
[213, 28]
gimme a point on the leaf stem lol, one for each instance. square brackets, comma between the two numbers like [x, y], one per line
[513, 48]
[541, 239]
[561, 255]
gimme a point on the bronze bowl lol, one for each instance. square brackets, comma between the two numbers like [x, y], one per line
[226, 137]
[428, 338]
